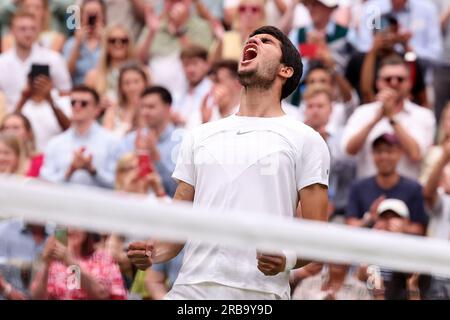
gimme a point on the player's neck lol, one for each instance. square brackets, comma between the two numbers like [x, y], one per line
[260, 103]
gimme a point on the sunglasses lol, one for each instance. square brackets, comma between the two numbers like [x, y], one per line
[250, 9]
[121, 41]
[82, 103]
[390, 78]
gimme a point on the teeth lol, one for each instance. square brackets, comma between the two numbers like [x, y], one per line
[251, 49]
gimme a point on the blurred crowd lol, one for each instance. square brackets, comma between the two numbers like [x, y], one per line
[100, 93]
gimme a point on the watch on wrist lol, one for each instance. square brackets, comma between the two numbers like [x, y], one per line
[180, 32]
[392, 122]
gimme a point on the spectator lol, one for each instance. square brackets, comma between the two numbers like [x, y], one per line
[343, 96]
[322, 34]
[11, 155]
[437, 196]
[273, 9]
[367, 194]
[318, 110]
[166, 36]
[188, 102]
[15, 63]
[18, 125]
[120, 118]
[392, 113]
[417, 20]
[99, 275]
[117, 49]
[335, 282]
[441, 76]
[224, 98]
[361, 69]
[48, 38]
[20, 245]
[392, 215]
[249, 16]
[155, 135]
[47, 118]
[82, 51]
[84, 153]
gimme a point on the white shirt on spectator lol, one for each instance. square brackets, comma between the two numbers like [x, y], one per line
[439, 226]
[251, 164]
[189, 103]
[43, 119]
[417, 120]
[14, 72]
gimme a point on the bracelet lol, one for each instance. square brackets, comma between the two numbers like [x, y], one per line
[291, 260]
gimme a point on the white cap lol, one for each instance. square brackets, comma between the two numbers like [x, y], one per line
[330, 3]
[395, 205]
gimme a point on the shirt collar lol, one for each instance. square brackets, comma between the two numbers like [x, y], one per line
[91, 132]
[330, 28]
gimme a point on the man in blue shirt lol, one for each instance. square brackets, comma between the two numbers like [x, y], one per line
[84, 154]
[367, 194]
[162, 139]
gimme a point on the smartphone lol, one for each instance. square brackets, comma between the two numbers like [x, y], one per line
[145, 165]
[92, 20]
[308, 50]
[39, 70]
[61, 235]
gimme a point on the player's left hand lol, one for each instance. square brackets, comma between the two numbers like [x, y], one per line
[271, 264]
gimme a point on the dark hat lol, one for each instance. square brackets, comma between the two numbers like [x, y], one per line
[387, 138]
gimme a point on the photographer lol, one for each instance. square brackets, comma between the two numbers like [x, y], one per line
[82, 51]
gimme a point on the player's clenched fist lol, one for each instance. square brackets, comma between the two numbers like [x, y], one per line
[140, 254]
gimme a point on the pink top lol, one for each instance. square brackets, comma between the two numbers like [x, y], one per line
[61, 283]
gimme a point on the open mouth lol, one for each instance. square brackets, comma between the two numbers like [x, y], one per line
[250, 52]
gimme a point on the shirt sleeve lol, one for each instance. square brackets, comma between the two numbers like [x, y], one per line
[185, 168]
[51, 170]
[60, 74]
[313, 164]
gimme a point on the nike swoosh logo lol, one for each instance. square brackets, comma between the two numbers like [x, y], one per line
[243, 132]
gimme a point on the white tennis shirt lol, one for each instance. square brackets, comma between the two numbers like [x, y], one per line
[247, 164]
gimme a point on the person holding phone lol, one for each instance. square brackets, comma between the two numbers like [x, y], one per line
[47, 115]
[82, 51]
[15, 64]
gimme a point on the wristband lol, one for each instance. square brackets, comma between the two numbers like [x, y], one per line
[291, 260]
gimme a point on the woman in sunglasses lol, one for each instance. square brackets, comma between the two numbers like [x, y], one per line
[250, 15]
[116, 50]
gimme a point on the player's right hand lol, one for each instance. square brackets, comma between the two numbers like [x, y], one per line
[140, 254]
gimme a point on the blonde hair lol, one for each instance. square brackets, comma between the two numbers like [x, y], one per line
[45, 23]
[14, 144]
[121, 170]
[104, 63]
[313, 90]
[441, 134]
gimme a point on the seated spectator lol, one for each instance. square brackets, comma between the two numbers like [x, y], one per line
[155, 135]
[393, 112]
[120, 118]
[367, 194]
[15, 63]
[82, 51]
[361, 69]
[273, 9]
[117, 49]
[100, 277]
[48, 118]
[249, 15]
[318, 111]
[11, 155]
[48, 38]
[343, 96]
[166, 36]
[335, 282]
[84, 154]
[417, 20]
[224, 98]
[189, 101]
[18, 125]
[392, 215]
[20, 245]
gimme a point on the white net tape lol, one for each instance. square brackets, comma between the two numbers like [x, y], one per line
[109, 212]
